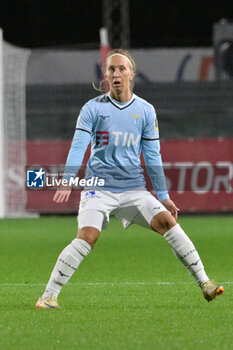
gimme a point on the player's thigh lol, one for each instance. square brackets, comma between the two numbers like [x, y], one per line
[94, 209]
[149, 206]
[145, 205]
[90, 218]
[155, 214]
[90, 225]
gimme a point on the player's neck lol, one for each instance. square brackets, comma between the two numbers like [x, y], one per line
[121, 96]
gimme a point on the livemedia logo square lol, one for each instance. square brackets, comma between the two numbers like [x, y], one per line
[35, 178]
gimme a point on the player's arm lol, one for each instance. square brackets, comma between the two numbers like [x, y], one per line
[153, 161]
[78, 148]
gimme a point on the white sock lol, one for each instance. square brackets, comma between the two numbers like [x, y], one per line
[186, 252]
[67, 263]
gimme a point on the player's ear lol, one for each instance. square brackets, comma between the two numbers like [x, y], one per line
[105, 76]
[132, 75]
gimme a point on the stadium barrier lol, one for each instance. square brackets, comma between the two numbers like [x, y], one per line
[184, 109]
[198, 171]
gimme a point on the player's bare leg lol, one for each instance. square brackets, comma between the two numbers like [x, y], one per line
[182, 246]
[89, 234]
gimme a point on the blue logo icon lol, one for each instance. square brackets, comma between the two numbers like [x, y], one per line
[35, 178]
[91, 194]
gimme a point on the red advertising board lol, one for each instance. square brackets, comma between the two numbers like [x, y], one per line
[203, 173]
[198, 172]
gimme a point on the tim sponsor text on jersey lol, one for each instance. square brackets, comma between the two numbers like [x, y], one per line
[125, 139]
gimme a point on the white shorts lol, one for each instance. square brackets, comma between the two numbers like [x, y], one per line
[137, 206]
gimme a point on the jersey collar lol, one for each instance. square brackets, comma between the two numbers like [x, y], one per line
[119, 105]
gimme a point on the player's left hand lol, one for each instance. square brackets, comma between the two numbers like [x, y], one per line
[170, 206]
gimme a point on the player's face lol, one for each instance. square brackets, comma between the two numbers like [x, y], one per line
[119, 74]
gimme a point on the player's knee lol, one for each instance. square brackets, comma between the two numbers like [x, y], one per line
[163, 222]
[89, 234]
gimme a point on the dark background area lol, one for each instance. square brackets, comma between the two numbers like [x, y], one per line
[43, 23]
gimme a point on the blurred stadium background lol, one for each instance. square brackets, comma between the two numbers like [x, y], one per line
[184, 57]
[130, 293]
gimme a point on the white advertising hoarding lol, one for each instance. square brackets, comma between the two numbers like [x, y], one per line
[155, 65]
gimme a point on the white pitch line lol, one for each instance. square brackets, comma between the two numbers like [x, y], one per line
[106, 283]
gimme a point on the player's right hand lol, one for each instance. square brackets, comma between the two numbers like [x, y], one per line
[62, 195]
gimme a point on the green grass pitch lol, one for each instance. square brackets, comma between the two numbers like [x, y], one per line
[129, 293]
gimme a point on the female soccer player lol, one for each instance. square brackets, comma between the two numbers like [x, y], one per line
[120, 125]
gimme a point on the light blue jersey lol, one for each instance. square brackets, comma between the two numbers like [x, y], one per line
[118, 133]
